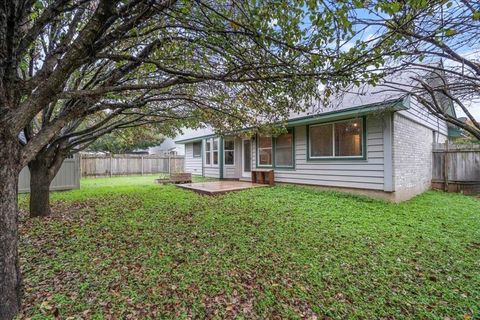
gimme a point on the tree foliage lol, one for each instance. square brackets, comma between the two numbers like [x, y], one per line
[128, 140]
[436, 43]
[127, 63]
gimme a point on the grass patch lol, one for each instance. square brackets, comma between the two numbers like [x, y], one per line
[127, 248]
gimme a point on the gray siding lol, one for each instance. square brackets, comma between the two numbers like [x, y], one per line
[419, 114]
[398, 156]
[68, 176]
[366, 174]
[192, 165]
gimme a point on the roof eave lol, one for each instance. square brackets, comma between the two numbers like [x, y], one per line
[195, 139]
[386, 106]
[389, 105]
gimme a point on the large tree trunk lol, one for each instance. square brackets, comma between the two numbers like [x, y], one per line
[40, 180]
[10, 278]
[43, 170]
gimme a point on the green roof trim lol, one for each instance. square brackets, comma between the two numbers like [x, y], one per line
[397, 104]
[388, 105]
[195, 139]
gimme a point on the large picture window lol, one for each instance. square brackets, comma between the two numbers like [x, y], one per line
[208, 152]
[229, 151]
[339, 139]
[197, 149]
[215, 151]
[284, 150]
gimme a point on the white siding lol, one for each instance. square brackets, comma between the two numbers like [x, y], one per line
[234, 171]
[212, 172]
[419, 114]
[229, 172]
[192, 165]
[367, 174]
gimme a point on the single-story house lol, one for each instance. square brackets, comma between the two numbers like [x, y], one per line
[369, 144]
[168, 147]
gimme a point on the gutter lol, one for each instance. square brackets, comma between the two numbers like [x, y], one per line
[389, 105]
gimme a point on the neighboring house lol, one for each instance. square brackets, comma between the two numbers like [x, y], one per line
[168, 147]
[372, 144]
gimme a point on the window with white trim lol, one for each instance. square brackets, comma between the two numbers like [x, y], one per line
[265, 150]
[215, 151]
[229, 151]
[208, 152]
[336, 140]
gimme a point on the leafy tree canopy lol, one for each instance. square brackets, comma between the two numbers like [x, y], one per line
[128, 140]
[436, 43]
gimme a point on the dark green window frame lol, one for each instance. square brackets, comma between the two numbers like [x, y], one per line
[273, 165]
[339, 158]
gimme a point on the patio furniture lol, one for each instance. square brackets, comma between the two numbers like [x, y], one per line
[262, 176]
[176, 177]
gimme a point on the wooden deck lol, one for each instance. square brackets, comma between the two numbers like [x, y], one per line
[220, 187]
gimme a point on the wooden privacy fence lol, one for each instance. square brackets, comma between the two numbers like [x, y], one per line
[129, 164]
[456, 168]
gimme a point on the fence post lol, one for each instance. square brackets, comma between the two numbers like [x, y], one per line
[169, 163]
[142, 164]
[80, 165]
[110, 164]
[445, 163]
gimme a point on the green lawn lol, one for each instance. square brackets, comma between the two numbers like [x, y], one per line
[132, 249]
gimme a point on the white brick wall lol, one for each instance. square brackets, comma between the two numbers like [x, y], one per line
[412, 157]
